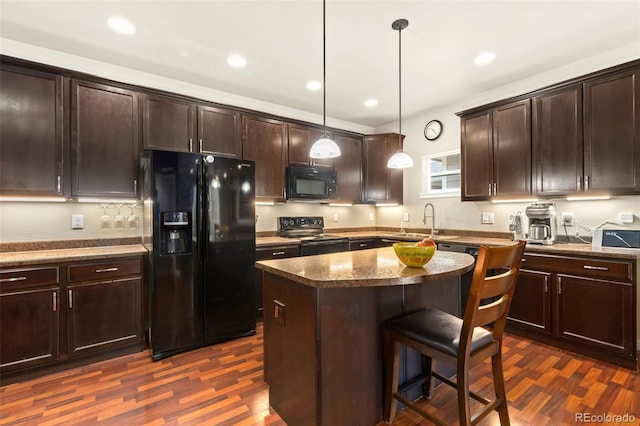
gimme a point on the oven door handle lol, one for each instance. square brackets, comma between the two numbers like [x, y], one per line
[322, 242]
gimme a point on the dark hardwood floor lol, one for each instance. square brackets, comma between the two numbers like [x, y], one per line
[223, 385]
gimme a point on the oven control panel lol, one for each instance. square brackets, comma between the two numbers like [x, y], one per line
[300, 222]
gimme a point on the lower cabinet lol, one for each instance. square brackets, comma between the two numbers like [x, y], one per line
[29, 317]
[582, 304]
[269, 253]
[95, 307]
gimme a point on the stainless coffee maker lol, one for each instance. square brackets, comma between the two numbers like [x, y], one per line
[542, 223]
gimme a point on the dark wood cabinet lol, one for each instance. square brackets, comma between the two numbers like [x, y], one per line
[104, 140]
[597, 313]
[612, 133]
[168, 123]
[31, 132]
[269, 253]
[477, 156]
[69, 314]
[176, 124]
[219, 131]
[349, 168]
[531, 304]
[557, 141]
[496, 152]
[264, 141]
[381, 184]
[300, 140]
[103, 315]
[104, 305]
[29, 318]
[583, 304]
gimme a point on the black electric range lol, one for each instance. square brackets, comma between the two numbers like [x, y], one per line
[310, 231]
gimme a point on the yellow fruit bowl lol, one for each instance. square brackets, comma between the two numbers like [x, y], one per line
[412, 255]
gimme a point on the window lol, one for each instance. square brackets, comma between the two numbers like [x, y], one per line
[441, 174]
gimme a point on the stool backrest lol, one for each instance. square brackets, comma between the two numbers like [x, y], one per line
[506, 262]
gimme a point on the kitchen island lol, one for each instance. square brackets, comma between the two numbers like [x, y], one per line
[322, 334]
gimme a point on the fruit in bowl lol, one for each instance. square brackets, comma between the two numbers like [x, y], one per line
[415, 255]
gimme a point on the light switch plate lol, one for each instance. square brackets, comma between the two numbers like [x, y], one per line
[335, 217]
[405, 217]
[487, 218]
[77, 221]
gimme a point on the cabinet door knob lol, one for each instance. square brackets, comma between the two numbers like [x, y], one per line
[190, 145]
[200, 145]
[55, 301]
[70, 299]
[58, 184]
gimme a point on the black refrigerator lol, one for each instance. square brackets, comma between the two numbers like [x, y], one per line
[199, 228]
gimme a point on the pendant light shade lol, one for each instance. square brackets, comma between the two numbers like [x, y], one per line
[324, 147]
[400, 160]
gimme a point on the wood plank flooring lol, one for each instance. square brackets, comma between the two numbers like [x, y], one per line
[223, 385]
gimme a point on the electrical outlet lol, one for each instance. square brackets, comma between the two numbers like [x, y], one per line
[625, 217]
[405, 217]
[487, 218]
[335, 217]
[568, 219]
[371, 217]
[77, 221]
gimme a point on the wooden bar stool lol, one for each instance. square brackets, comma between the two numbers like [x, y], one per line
[463, 342]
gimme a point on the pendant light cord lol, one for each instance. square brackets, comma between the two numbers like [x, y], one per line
[324, 69]
[400, 88]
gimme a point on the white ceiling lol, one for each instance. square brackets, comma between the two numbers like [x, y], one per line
[282, 40]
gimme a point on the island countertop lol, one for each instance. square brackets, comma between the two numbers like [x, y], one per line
[365, 268]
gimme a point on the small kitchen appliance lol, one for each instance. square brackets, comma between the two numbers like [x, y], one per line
[515, 227]
[542, 223]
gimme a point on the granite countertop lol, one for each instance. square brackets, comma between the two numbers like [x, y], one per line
[32, 257]
[365, 268]
[559, 249]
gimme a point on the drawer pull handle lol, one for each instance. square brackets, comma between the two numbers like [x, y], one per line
[277, 253]
[9, 280]
[55, 301]
[523, 260]
[106, 270]
[596, 268]
[364, 244]
[70, 299]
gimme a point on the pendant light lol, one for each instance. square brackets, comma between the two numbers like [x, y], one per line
[324, 147]
[400, 160]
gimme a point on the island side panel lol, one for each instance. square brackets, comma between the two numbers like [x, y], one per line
[290, 351]
[351, 380]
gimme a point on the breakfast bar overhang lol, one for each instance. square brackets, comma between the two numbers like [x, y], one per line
[322, 338]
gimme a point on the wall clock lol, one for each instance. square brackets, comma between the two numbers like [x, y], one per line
[433, 130]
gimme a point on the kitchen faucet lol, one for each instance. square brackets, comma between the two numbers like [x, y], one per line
[433, 217]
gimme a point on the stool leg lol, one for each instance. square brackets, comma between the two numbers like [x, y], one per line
[462, 380]
[429, 367]
[498, 385]
[391, 363]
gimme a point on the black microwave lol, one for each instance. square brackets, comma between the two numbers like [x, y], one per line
[306, 183]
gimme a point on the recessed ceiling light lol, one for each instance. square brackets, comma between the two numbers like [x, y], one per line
[484, 58]
[237, 61]
[314, 85]
[121, 25]
[370, 103]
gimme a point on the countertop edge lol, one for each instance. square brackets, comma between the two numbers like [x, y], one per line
[38, 257]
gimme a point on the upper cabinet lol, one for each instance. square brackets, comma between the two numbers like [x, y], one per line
[577, 137]
[348, 168]
[496, 152]
[31, 132]
[381, 184]
[557, 141]
[264, 141]
[301, 138]
[612, 133]
[178, 125]
[104, 140]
